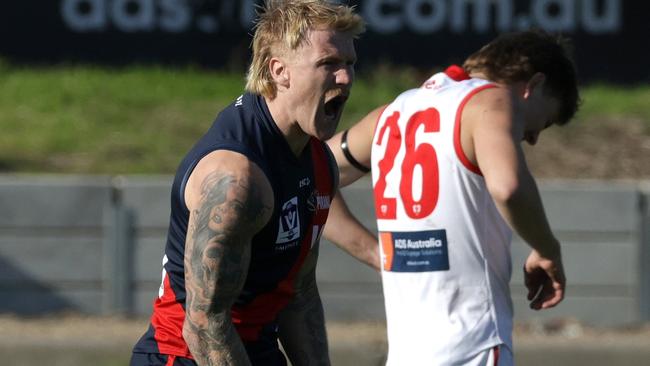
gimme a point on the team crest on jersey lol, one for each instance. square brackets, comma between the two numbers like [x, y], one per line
[317, 201]
[289, 229]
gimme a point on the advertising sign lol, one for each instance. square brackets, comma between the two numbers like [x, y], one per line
[609, 36]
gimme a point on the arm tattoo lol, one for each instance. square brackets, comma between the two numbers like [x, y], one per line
[302, 323]
[216, 263]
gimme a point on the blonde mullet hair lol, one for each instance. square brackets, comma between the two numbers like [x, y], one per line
[284, 25]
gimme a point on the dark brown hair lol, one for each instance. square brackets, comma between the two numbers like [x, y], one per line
[514, 57]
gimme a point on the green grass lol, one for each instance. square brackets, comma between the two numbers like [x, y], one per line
[143, 120]
[608, 101]
[105, 121]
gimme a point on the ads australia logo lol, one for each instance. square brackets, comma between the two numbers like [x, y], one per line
[289, 226]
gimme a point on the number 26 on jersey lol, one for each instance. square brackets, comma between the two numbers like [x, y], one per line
[423, 156]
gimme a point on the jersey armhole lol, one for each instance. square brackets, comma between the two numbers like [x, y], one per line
[374, 132]
[333, 169]
[458, 147]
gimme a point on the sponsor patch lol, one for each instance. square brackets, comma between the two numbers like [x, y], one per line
[317, 201]
[322, 202]
[415, 251]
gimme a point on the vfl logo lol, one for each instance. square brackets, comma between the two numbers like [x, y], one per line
[289, 229]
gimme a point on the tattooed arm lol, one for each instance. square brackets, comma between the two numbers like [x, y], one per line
[229, 199]
[302, 323]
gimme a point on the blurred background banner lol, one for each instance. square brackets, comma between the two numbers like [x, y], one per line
[610, 36]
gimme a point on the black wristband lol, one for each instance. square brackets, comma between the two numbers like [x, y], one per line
[346, 152]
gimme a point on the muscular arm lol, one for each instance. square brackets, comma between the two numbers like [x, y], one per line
[302, 322]
[344, 230]
[359, 143]
[496, 131]
[229, 201]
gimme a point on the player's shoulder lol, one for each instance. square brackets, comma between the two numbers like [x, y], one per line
[489, 112]
[489, 97]
[230, 174]
[238, 108]
[331, 163]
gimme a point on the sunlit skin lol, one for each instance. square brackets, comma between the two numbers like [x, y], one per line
[317, 72]
[540, 113]
[539, 108]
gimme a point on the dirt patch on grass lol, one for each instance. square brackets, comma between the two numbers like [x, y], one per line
[86, 331]
[107, 341]
[596, 149]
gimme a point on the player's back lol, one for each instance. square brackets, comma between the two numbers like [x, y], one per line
[445, 247]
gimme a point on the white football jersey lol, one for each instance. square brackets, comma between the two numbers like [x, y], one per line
[445, 247]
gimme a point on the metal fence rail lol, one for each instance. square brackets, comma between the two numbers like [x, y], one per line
[95, 244]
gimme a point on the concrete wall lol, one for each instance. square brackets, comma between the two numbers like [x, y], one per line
[51, 242]
[95, 245]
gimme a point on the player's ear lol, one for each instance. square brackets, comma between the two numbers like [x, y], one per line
[536, 81]
[279, 72]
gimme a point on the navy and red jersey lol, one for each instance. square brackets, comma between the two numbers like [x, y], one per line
[303, 187]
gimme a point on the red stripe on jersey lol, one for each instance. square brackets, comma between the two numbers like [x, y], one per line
[374, 132]
[170, 360]
[457, 143]
[457, 73]
[167, 321]
[496, 355]
[324, 180]
[251, 318]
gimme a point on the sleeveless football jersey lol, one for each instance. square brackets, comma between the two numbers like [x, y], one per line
[445, 248]
[302, 186]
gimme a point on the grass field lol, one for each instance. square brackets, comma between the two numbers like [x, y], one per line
[77, 341]
[142, 120]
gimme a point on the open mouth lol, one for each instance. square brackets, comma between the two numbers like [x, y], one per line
[334, 106]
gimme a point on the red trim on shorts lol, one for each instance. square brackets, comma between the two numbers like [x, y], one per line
[263, 310]
[496, 355]
[457, 144]
[167, 321]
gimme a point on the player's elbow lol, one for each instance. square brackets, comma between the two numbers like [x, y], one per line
[190, 334]
[505, 190]
[195, 323]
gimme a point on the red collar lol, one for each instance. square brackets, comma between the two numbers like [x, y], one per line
[457, 73]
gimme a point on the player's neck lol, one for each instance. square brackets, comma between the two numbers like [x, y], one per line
[287, 124]
[478, 75]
